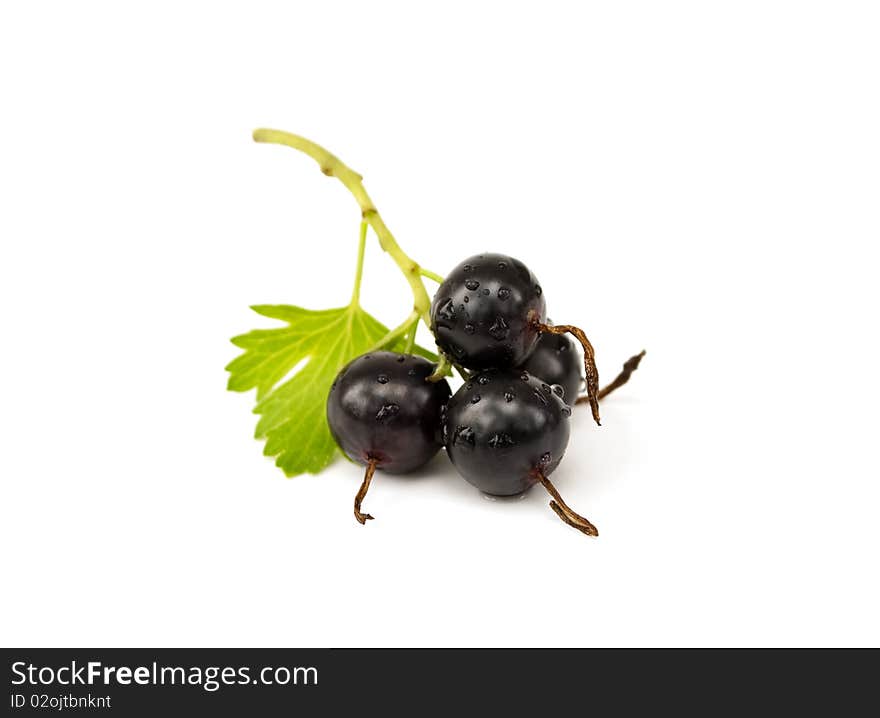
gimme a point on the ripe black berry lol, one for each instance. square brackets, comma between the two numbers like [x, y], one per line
[490, 312]
[384, 415]
[506, 431]
[483, 314]
[557, 361]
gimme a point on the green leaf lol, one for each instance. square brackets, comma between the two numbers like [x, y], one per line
[292, 414]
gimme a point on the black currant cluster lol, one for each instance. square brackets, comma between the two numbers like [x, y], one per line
[507, 428]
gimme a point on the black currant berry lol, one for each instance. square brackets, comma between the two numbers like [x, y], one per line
[489, 313]
[484, 314]
[505, 431]
[384, 415]
[556, 360]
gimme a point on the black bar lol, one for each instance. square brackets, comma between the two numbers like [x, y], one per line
[418, 681]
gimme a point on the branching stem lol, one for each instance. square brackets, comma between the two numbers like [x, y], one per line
[411, 336]
[462, 372]
[433, 276]
[443, 369]
[394, 334]
[332, 166]
[359, 271]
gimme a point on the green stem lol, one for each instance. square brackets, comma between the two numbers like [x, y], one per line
[394, 334]
[431, 275]
[411, 338]
[444, 368]
[462, 372]
[359, 271]
[332, 166]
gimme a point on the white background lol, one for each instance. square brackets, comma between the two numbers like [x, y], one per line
[699, 179]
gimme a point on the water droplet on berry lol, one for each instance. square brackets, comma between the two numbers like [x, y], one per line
[502, 266]
[475, 398]
[412, 372]
[467, 268]
[469, 386]
[485, 292]
[464, 436]
[545, 387]
[559, 391]
[382, 378]
[401, 359]
[387, 412]
[509, 396]
[500, 441]
[566, 410]
[457, 350]
[524, 376]
[467, 299]
[483, 379]
[469, 328]
[499, 329]
[538, 290]
[472, 284]
[545, 458]
[447, 311]
[503, 293]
